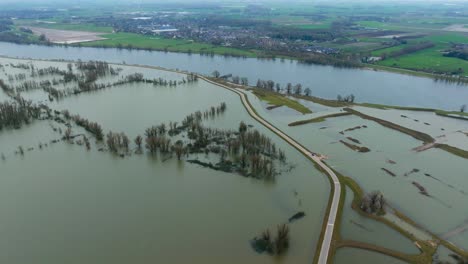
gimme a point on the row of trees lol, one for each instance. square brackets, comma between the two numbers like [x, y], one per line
[409, 49]
[15, 114]
[296, 89]
[270, 85]
[347, 98]
[92, 127]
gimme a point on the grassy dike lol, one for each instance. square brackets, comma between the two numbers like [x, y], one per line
[427, 250]
[415, 134]
[318, 119]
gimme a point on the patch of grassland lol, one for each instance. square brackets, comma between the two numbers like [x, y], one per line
[430, 59]
[408, 108]
[164, 44]
[322, 101]
[317, 119]
[456, 151]
[427, 60]
[452, 114]
[278, 99]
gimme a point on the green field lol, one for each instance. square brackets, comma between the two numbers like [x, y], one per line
[277, 99]
[430, 59]
[160, 43]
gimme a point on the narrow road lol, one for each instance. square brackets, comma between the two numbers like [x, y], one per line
[327, 238]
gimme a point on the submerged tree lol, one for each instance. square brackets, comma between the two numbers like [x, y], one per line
[282, 239]
[273, 246]
[373, 202]
[179, 149]
[138, 141]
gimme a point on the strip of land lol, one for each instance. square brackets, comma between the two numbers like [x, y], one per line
[280, 100]
[318, 119]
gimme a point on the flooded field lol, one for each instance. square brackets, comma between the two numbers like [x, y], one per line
[356, 256]
[61, 197]
[359, 228]
[55, 169]
[445, 130]
[390, 150]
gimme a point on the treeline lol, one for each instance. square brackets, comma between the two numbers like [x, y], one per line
[451, 79]
[15, 114]
[165, 49]
[346, 99]
[290, 33]
[92, 127]
[339, 61]
[409, 49]
[289, 88]
[86, 76]
[457, 53]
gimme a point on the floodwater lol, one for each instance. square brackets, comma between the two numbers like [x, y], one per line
[64, 204]
[66, 197]
[325, 81]
[441, 173]
[445, 130]
[357, 256]
[363, 229]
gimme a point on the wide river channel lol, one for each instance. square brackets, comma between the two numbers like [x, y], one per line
[325, 81]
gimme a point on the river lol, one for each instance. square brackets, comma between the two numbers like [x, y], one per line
[324, 81]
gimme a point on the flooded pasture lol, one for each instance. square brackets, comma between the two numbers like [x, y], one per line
[77, 202]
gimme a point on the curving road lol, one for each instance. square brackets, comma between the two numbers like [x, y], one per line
[327, 238]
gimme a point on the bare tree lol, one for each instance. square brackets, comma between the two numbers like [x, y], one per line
[68, 134]
[288, 88]
[244, 81]
[179, 149]
[278, 87]
[216, 74]
[463, 108]
[307, 91]
[138, 141]
[298, 89]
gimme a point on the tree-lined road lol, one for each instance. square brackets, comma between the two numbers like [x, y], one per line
[328, 235]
